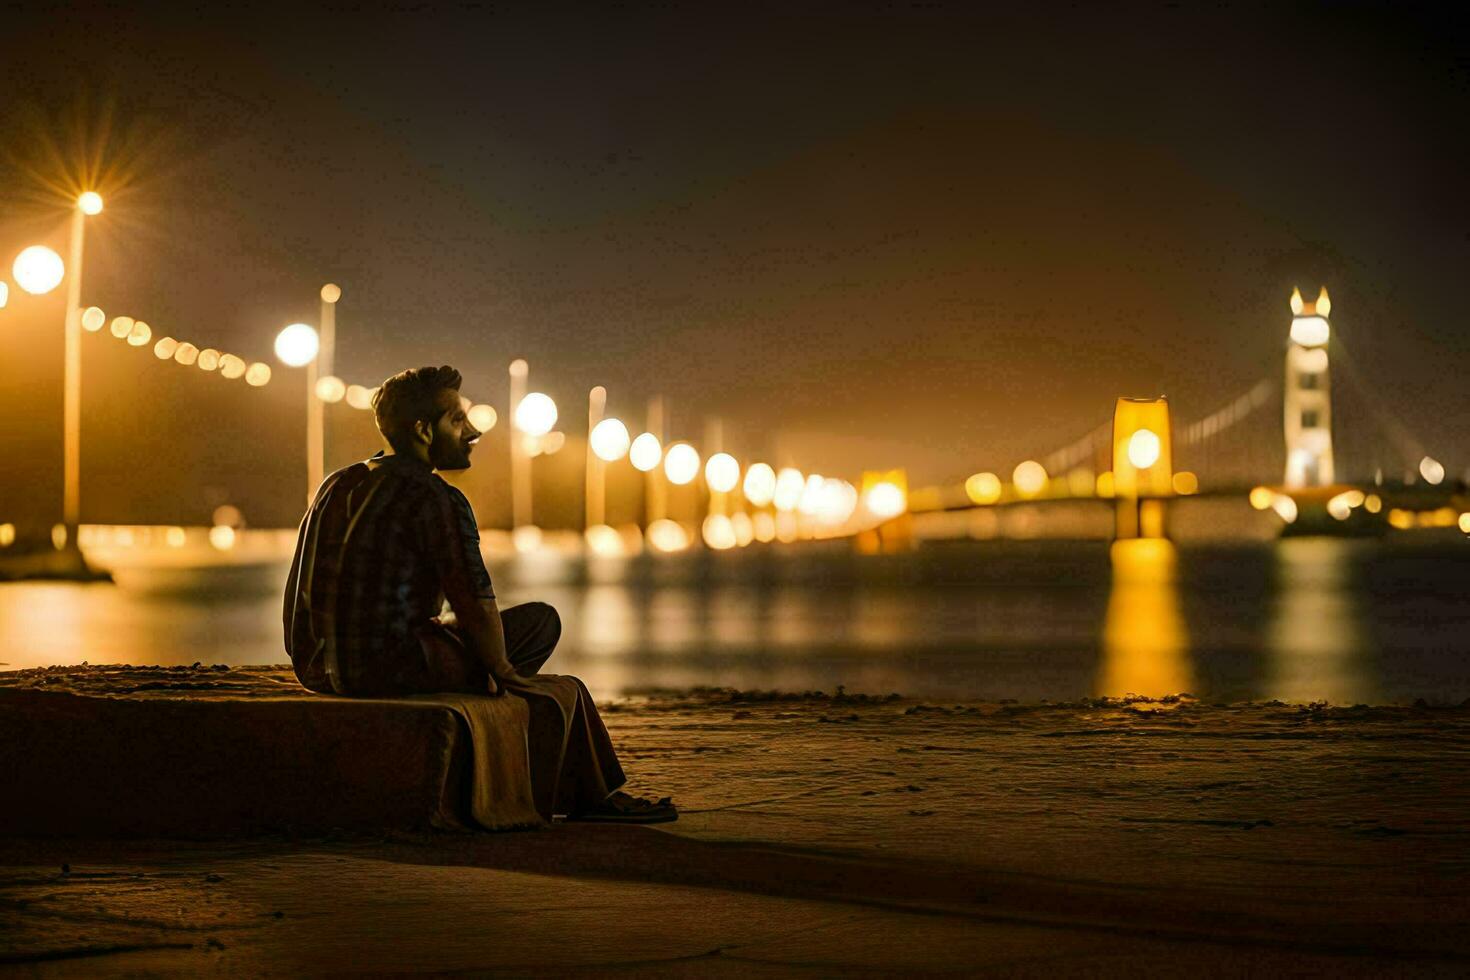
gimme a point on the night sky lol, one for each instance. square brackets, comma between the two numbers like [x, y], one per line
[910, 234]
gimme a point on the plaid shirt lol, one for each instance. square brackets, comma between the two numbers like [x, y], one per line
[384, 543]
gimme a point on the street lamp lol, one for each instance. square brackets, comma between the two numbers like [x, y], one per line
[532, 414]
[38, 270]
[297, 346]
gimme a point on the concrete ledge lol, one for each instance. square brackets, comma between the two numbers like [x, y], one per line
[202, 752]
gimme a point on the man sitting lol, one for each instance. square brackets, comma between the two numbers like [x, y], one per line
[383, 545]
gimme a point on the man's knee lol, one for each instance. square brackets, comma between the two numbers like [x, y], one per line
[549, 620]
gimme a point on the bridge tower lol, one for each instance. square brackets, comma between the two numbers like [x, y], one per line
[1308, 403]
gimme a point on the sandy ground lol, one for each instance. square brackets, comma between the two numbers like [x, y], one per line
[827, 835]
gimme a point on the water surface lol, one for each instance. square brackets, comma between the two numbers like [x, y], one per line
[1298, 620]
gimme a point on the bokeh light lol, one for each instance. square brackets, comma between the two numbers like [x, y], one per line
[1432, 470]
[1144, 448]
[885, 499]
[1029, 478]
[1185, 483]
[645, 452]
[93, 319]
[1284, 507]
[722, 472]
[121, 326]
[140, 334]
[222, 537]
[258, 374]
[811, 496]
[186, 353]
[231, 366]
[331, 389]
[552, 442]
[526, 539]
[718, 532]
[4, 294]
[229, 515]
[359, 397]
[760, 484]
[90, 203]
[983, 488]
[610, 440]
[208, 359]
[681, 463]
[297, 345]
[789, 485]
[763, 526]
[7, 534]
[667, 536]
[1261, 497]
[604, 540]
[331, 292]
[536, 414]
[743, 527]
[38, 270]
[483, 417]
[1309, 331]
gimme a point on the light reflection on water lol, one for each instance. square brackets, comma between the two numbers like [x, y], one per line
[1300, 620]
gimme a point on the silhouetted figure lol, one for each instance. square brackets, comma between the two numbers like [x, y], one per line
[383, 545]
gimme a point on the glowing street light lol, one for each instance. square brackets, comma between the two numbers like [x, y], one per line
[983, 488]
[722, 472]
[1029, 477]
[297, 345]
[536, 414]
[1144, 448]
[760, 484]
[645, 452]
[885, 500]
[482, 417]
[787, 492]
[90, 203]
[38, 270]
[610, 440]
[331, 389]
[681, 464]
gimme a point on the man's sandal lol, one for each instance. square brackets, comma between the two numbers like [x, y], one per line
[622, 808]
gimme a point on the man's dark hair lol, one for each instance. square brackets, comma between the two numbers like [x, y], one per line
[408, 397]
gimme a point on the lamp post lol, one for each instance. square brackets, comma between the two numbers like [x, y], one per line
[532, 414]
[324, 368]
[297, 346]
[595, 493]
[87, 204]
[607, 442]
[520, 463]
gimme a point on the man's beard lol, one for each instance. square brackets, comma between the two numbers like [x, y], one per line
[449, 456]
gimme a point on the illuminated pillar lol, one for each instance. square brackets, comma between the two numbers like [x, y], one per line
[520, 462]
[1143, 466]
[325, 366]
[71, 497]
[596, 469]
[655, 490]
[1308, 402]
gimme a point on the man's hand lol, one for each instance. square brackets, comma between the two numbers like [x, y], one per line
[509, 680]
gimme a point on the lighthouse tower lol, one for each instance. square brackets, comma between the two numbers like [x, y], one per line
[1308, 415]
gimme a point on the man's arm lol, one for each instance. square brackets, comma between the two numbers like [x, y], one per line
[454, 539]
